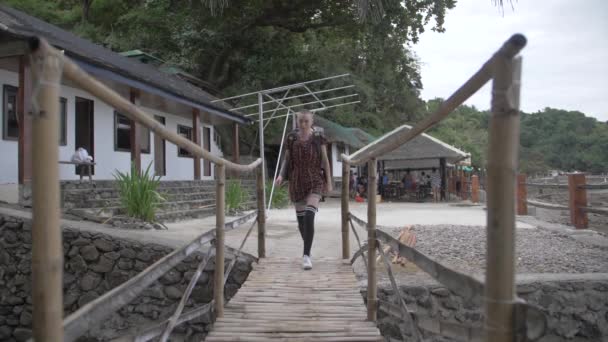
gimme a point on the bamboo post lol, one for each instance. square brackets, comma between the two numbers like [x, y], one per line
[261, 213]
[47, 248]
[372, 185]
[218, 290]
[522, 195]
[345, 209]
[475, 189]
[577, 200]
[502, 168]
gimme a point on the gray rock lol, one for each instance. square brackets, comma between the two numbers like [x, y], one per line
[90, 281]
[127, 253]
[5, 332]
[103, 245]
[74, 251]
[170, 278]
[22, 334]
[69, 299]
[25, 318]
[81, 242]
[86, 298]
[112, 255]
[155, 292]
[144, 256]
[440, 292]
[104, 265]
[10, 237]
[13, 300]
[173, 292]
[125, 264]
[140, 266]
[77, 264]
[117, 277]
[89, 253]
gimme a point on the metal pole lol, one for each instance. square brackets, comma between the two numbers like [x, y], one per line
[296, 96]
[372, 185]
[276, 169]
[47, 248]
[314, 110]
[218, 291]
[263, 166]
[502, 167]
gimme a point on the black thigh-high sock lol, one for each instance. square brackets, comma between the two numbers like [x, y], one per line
[300, 215]
[309, 228]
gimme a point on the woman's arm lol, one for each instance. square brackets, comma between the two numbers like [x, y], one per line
[325, 166]
[283, 171]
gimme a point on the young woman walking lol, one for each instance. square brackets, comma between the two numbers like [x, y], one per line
[306, 167]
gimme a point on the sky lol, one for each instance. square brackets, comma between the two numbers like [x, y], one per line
[565, 63]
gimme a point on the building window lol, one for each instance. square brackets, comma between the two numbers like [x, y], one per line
[122, 135]
[217, 139]
[63, 115]
[10, 121]
[341, 149]
[185, 132]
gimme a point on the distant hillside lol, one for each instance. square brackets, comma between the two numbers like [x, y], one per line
[550, 139]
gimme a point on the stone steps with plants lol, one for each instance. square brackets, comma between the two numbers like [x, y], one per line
[183, 199]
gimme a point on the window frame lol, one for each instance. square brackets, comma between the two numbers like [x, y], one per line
[63, 122]
[5, 89]
[182, 153]
[121, 149]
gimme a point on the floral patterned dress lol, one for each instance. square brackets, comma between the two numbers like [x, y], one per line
[305, 161]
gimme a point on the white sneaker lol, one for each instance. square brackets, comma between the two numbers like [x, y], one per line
[306, 262]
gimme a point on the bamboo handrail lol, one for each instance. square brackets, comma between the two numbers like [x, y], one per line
[130, 110]
[403, 134]
[469, 288]
[372, 296]
[595, 210]
[546, 205]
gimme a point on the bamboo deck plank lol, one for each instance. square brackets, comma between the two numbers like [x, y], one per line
[281, 302]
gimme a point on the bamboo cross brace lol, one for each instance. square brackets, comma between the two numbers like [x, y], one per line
[404, 310]
[180, 307]
[359, 253]
[358, 240]
[238, 252]
[155, 330]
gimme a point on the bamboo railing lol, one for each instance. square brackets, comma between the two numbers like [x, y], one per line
[48, 67]
[503, 319]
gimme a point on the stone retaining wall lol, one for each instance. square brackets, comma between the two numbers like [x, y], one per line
[94, 264]
[576, 309]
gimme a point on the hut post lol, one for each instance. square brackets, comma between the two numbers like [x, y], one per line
[577, 200]
[218, 290]
[522, 195]
[475, 189]
[372, 185]
[47, 247]
[502, 165]
[345, 210]
[444, 177]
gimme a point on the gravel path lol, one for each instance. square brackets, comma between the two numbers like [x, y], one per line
[538, 250]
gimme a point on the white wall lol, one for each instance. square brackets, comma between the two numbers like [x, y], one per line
[9, 168]
[108, 160]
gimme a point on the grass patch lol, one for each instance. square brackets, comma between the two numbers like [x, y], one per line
[138, 193]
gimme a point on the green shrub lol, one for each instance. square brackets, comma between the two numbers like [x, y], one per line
[280, 196]
[138, 194]
[236, 196]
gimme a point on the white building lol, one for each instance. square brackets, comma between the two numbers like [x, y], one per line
[110, 138]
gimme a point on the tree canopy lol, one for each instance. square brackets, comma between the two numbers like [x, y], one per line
[244, 46]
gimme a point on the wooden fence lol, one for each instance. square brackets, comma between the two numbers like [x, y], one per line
[577, 189]
[48, 67]
[504, 318]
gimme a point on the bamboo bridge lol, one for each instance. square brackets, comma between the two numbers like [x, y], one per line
[278, 301]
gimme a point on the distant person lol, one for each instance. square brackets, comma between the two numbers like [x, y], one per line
[305, 156]
[436, 185]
